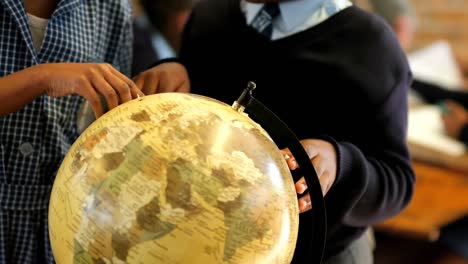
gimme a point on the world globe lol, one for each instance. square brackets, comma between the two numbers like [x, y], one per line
[174, 178]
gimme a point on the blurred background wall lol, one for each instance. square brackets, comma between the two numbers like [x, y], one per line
[443, 19]
[440, 19]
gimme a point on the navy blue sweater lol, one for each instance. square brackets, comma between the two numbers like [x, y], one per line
[345, 79]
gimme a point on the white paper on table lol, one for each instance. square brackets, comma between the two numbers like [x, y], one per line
[425, 128]
[436, 63]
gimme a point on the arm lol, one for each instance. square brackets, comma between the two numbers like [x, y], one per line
[19, 89]
[366, 187]
[90, 80]
[168, 75]
[432, 93]
[377, 180]
[365, 170]
[455, 121]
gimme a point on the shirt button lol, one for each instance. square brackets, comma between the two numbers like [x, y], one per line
[26, 149]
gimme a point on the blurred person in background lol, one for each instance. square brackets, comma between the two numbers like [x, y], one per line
[455, 119]
[454, 115]
[169, 18]
[144, 53]
[400, 15]
[158, 27]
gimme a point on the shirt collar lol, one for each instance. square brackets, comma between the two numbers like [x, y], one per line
[18, 12]
[66, 6]
[293, 13]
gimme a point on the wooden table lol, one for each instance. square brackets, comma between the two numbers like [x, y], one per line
[440, 197]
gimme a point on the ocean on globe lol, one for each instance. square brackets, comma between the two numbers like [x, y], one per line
[173, 178]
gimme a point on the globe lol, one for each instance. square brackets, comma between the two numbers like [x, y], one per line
[173, 178]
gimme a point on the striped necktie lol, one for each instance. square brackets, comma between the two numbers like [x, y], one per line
[263, 21]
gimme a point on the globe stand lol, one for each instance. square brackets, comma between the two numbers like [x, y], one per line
[313, 223]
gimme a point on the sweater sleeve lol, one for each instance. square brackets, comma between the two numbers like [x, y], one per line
[433, 93]
[375, 185]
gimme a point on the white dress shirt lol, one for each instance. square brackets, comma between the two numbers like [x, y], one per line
[297, 15]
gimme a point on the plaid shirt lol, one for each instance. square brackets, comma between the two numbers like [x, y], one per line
[34, 140]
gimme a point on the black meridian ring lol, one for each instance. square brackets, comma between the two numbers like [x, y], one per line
[310, 244]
